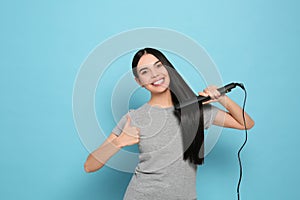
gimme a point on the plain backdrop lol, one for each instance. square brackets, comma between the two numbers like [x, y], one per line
[43, 44]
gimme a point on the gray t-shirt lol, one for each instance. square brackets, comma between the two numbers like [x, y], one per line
[161, 172]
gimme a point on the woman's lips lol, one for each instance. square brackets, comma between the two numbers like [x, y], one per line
[158, 82]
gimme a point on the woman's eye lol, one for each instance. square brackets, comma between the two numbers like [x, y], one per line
[144, 72]
[159, 65]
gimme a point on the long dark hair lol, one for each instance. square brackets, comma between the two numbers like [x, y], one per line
[190, 117]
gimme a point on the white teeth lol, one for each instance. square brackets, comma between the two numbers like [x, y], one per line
[159, 82]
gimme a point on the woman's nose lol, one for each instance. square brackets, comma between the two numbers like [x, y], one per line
[154, 73]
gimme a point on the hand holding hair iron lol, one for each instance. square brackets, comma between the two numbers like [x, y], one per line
[222, 90]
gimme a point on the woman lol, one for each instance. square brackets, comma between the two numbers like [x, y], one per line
[170, 141]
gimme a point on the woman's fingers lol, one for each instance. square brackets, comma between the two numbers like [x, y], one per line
[136, 132]
[203, 94]
[131, 130]
[211, 91]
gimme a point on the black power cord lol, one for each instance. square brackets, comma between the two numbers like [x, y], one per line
[223, 90]
[246, 138]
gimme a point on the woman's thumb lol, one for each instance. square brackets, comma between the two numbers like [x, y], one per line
[128, 121]
[203, 94]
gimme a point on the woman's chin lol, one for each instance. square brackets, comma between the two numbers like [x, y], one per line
[158, 89]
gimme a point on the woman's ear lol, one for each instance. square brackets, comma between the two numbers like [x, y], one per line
[138, 81]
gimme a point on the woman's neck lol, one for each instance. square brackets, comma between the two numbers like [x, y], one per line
[162, 99]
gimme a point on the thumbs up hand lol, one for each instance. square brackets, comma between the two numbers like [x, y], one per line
[130, 134]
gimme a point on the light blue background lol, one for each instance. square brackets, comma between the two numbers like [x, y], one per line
[44, 43]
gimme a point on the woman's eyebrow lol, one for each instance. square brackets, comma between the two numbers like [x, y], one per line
[158, 61]
[143, 69]
[147, 67]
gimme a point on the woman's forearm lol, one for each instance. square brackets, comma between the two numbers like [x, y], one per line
[236, 112]
[97, 159]
[129, 136]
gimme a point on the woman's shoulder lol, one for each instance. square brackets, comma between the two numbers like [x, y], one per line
[136, 111]
[136, 114]
[139, 110]
[141, 107]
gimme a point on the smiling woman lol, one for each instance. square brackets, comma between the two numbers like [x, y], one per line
[171, 142]
[152, 74]
[175, 90]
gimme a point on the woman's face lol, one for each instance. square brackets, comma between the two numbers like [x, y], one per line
[152, 74]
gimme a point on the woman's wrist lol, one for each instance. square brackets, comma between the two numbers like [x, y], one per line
[116, 142]
[222, 100]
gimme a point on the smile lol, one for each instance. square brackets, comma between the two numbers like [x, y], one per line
[158, 82]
